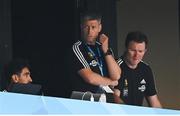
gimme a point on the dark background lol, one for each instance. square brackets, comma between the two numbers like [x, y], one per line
[43, 32]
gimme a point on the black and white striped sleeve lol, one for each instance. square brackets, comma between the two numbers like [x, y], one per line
[119, 61]
[80, 60]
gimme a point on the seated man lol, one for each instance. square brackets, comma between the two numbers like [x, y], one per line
[137, 80]
[19, 79]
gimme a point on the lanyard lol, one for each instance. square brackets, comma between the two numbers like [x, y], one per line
[99, 61]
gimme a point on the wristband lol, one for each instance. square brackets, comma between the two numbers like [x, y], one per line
[109, 52]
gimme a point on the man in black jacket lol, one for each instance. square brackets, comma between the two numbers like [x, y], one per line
[18, 75]
[137, 80]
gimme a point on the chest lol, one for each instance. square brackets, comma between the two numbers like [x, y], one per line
[94, 56]
[135, 81]
[95, 59]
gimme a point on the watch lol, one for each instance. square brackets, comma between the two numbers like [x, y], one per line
[109, 52]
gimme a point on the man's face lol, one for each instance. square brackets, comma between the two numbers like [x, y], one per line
[24, 77]
[90, 30]
[135, 53]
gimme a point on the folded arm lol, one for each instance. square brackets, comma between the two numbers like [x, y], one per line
[96, 79]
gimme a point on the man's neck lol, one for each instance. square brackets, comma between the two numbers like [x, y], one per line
[91, 43]
[129, 64]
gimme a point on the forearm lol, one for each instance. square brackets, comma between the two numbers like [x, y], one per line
[96, 79]
[113, 68]
[154, 101]
[156, 104]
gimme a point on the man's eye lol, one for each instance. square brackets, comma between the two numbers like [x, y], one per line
[93, 27]
[85, 27]
[141, 51]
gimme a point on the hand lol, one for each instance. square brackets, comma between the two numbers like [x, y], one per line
[103, 39]
[117, 98]
[114, 83]
[117, 92]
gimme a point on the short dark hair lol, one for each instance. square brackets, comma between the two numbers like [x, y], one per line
[136, 36]
[90, 15]
[15, 67]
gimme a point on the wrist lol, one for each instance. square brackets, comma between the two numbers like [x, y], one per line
[108, 52]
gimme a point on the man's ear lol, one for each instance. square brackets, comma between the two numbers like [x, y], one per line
[100, 27]
[15, 78]
[146, 50]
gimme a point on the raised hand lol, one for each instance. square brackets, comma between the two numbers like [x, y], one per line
[103, 39]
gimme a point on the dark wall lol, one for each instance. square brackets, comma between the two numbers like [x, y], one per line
[5, 38]
[43, 32]
[179, 21]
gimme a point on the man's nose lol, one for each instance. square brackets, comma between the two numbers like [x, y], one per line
[89, 30]
[136, 54]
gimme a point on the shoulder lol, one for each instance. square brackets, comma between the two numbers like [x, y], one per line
[80, 55]
[120, 61]
[77, 46]
[144, 65]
